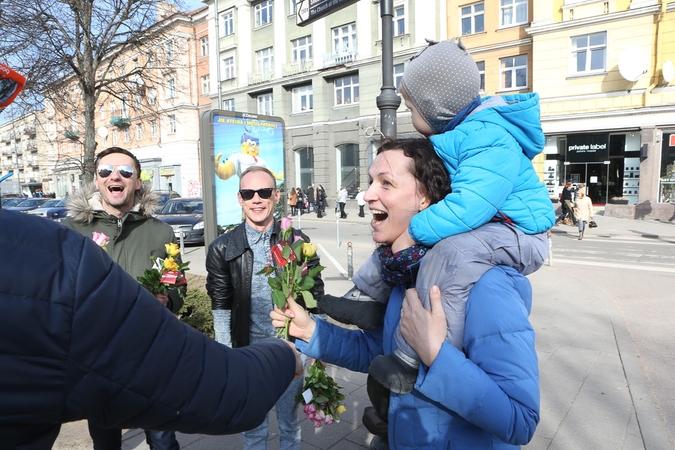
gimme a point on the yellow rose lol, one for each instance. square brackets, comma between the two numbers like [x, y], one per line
[170, 264]
[340, 409]
[172, 249]
[308, 250]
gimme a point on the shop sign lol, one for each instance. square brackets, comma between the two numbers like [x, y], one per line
[587, 148]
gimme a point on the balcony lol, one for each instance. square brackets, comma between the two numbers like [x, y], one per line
[31, 148]
[73, 135]
[297, 67]
[339, 58]
[120, 122]
[260, 77]
[29, 130]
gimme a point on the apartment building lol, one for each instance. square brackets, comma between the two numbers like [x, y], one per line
[604, 71]
[321, 79]
[155, 115]
[20, 141]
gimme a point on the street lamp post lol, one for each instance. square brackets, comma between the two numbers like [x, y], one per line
[388, 101]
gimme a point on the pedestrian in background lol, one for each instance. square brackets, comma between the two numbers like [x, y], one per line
[567, 207]
[241, 297]
[293, 200]
[360, 201]
[320, 201]
[583, 210]
[311, 204]
[301, 201]
[342, 201]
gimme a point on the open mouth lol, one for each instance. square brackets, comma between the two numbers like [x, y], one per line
[115, 189]
[379, 216]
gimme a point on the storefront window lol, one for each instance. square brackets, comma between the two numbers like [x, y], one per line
[667, 180]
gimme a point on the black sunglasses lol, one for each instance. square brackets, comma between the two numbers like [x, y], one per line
[264, 193]
[105, 170]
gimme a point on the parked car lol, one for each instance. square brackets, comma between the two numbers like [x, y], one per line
[11, 201]
[27, 204]
[165, 196]
[185, 215]
[54, 209]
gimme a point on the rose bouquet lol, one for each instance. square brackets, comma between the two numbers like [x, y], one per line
[292, 278]
[165, 273]
[321, 397]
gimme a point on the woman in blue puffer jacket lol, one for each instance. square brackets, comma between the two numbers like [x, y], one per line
[484, 394]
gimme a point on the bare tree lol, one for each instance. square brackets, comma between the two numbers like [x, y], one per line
[76, 53]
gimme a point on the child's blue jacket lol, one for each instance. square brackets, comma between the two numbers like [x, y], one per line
[489, 157]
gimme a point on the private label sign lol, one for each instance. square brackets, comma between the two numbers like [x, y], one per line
[311, 10]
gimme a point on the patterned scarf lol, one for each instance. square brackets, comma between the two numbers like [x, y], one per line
[400, 267]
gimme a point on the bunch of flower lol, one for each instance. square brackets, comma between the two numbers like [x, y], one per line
[165, 273]
[291, 275]
[101, 240]
[321, 397]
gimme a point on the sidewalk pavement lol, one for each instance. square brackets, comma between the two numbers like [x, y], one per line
[593, 385]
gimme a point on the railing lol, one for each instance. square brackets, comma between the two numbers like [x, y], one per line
[260, 77]
[120, 122]
[301, 66]
[351, 182]
[339, 58]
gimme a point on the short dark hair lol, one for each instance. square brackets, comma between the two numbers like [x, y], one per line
[111, 150]
[427, 167]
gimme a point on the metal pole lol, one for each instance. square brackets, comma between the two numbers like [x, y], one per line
[337, 228]
[220, 88]
[388, 102]
[350, 261]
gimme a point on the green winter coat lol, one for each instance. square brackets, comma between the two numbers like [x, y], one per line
[133, 238]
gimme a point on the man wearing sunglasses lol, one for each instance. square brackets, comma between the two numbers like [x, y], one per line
[88, 342]
[241, 298]
[120, 206]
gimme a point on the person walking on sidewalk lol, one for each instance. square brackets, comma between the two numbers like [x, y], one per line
[293, 201]
[120, 206]
[360, 201]
[567, 208]
[320, 201]
[583, 210]
[342, 201]
[311, 203]
[241, 297]
[300, 201]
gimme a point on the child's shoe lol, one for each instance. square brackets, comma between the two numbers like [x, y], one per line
[354, 308]
[395, 371]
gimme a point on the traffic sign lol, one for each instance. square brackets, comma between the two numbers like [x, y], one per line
[310, 10]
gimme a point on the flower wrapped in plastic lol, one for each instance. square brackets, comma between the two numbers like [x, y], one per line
[321, 397]
[166, 273]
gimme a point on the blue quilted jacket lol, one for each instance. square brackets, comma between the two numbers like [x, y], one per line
[484, 397]
[82, 339]
[489, 157]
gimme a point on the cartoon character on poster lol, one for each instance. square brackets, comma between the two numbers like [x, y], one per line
[240, 143]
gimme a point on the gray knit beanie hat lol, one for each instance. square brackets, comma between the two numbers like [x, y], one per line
[441, 80]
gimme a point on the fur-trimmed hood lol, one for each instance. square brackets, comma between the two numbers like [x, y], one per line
[83, 205]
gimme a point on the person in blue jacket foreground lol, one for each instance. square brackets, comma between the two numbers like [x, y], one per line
[82, 339]
[484, 394]
[498, 212]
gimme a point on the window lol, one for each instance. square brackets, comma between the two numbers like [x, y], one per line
[127, 135]
[114, 137]
[481, 71]
[168, 51]
[266, 104]
[102, 112]
[125, 107]
[292, 7]
[302, 49]
[265, 59]
[472, 18]
[399, 20]
[263, 13]
[139, 132]
[347, 90]
[513, 12]
[206, 84]
[137, 101]
[398, 75]
[152, 96]
[513, 72]
[172, 123]
[153, 128]
[588, 53]
[344, 39]
[228, 104]
[302, 99]
[228, 22]
[204, 46]
[228, 68]
[170, 88]
[113, 109]
[151, 60]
